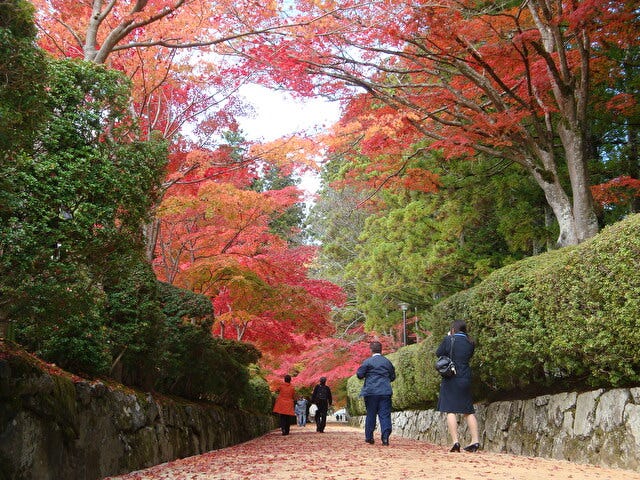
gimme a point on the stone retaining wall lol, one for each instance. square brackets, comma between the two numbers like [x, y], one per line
[597, 427]
[54, 427]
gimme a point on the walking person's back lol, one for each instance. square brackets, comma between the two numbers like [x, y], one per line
[378, 373]
[284, 404]
[321, 397]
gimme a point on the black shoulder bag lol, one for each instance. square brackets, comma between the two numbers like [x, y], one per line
[445, 365]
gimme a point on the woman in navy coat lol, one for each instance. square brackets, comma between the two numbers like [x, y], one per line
[455, 392]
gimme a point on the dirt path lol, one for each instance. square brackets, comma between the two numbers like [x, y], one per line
[340, 453]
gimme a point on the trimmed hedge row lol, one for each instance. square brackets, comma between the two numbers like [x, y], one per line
[565, 319]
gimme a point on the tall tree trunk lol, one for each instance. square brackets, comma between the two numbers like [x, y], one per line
[151, 231]
[570, 88]
[561, 206]
[4, 325]
[585, 219]
[631, 154]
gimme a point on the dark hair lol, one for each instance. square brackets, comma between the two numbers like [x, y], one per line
[461, 326]
[323, 380]
[287, 378]
[376, 347]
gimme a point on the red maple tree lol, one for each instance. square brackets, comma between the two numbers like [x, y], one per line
[216, 240]
[504, 81]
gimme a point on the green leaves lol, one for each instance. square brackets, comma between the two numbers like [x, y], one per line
[23, 73]
[421, 247]
[567, 316]
[567, 319]
[76, 209]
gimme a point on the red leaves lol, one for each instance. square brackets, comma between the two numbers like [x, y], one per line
[215, 239]
[623, 104]
[618, 191]
[340, 453]
[334, 358]
[422, 180]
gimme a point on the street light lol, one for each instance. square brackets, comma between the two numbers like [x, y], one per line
[404, 306]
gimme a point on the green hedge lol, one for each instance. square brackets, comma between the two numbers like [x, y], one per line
[256, 396]
[561, 320]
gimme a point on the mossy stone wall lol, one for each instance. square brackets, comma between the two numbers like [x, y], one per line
[55, 426]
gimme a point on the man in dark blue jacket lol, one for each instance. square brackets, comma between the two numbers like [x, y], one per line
[378, 373]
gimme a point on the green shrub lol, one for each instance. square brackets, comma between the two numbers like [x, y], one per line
[257, 397]
[355, 404]
[415, 385]
[562, 320]
[62, 321]
[135, 321]
[195, 365]
[181, 304]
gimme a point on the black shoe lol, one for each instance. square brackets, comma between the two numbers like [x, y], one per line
[455, 448]
[474, 447]
[385, 443]
[370, 440]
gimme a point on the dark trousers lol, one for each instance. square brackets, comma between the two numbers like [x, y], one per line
[380, 406]
[285, 423]
[321, 415]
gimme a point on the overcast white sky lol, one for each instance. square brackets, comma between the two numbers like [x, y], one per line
[278, 114]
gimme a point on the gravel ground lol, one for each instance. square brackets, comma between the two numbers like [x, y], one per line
[340, 453]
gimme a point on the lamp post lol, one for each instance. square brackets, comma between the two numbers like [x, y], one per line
[404, 306]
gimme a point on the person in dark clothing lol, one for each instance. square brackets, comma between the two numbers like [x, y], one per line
[455, 392]
[378, 373]
[321, 396]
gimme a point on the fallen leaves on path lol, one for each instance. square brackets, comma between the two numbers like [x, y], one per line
[340, 453]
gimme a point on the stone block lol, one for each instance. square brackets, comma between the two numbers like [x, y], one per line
[598, 427]
[498, 416]
[610, 409]
[632, 421]
[542, 400]
[400, 421]
[559, 405]
[557, 449]
[534, 415]
[585, 413]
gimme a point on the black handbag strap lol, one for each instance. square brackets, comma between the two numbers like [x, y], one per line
[453, 339]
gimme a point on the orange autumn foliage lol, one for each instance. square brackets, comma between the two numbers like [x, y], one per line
[215, 239]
